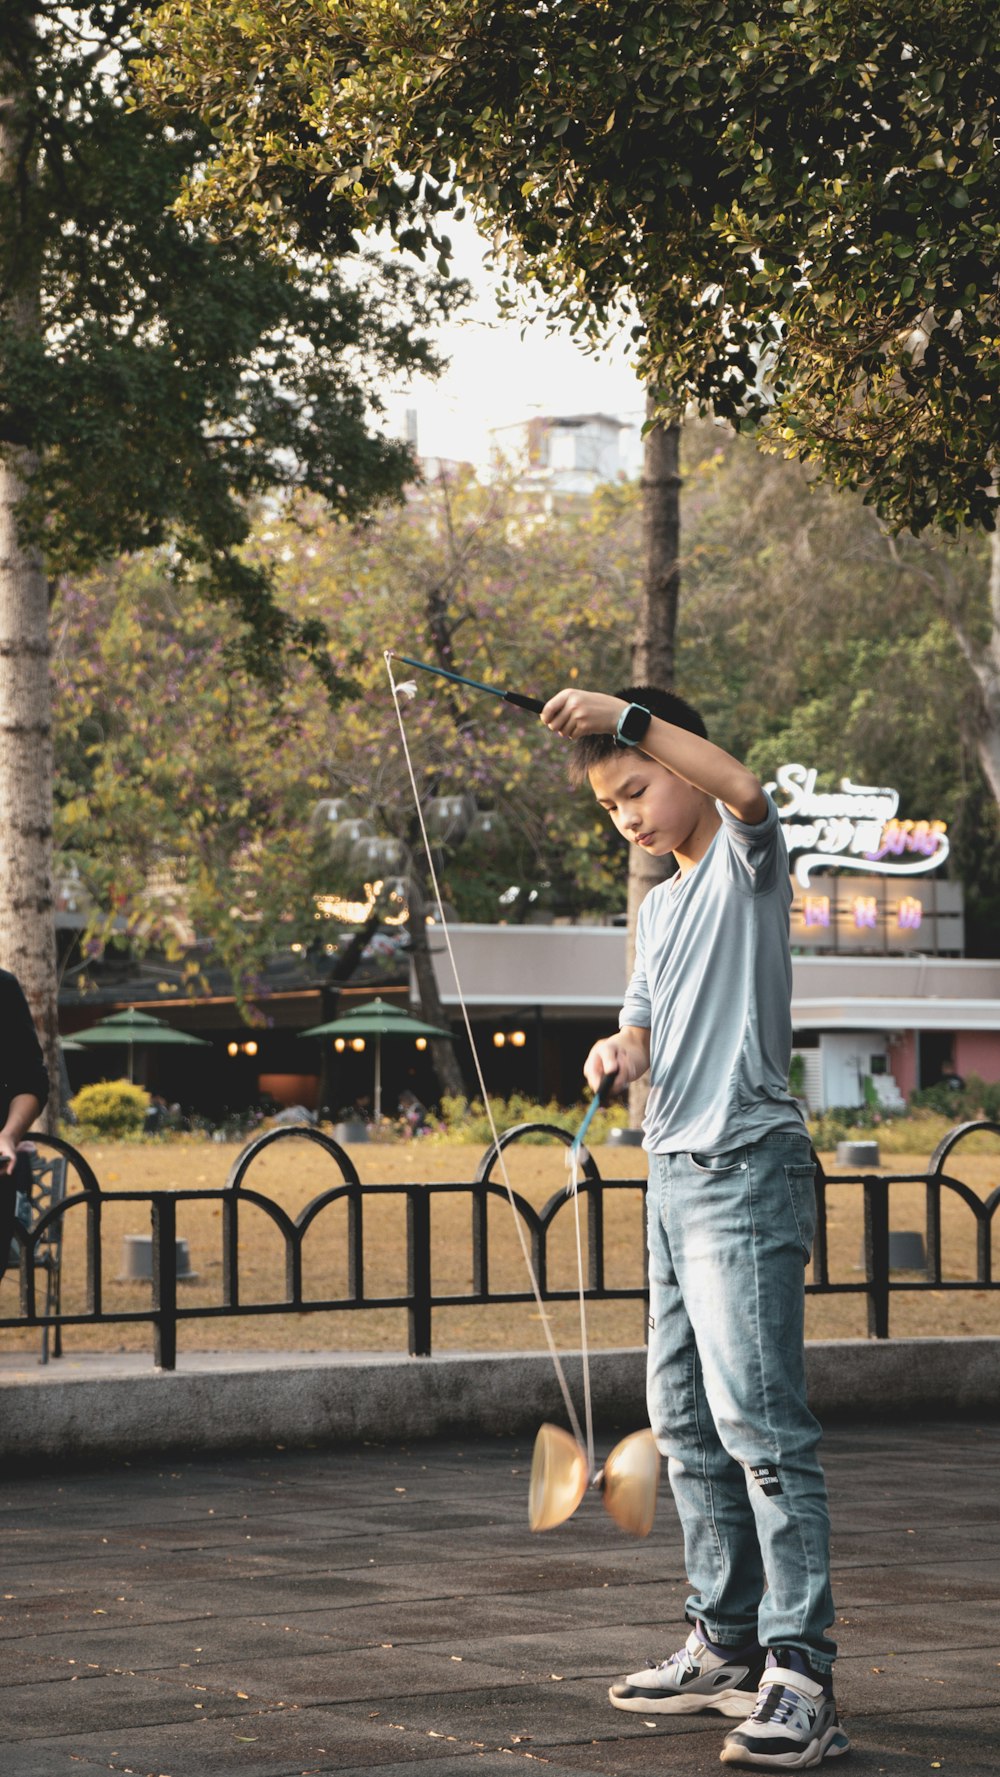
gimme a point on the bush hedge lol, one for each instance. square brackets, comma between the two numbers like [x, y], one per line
[112, 1109]
[462, 1121]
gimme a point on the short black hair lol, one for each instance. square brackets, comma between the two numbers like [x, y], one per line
[593, 749]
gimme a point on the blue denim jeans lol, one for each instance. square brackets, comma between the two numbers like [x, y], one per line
[729, 1236]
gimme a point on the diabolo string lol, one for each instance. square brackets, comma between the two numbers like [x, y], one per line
[497, 1148]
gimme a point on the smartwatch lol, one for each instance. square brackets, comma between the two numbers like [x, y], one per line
[632, 725]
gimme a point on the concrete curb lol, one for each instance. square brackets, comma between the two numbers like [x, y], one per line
[95, 1408]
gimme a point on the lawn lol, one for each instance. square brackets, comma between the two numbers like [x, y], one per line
[294, 1172]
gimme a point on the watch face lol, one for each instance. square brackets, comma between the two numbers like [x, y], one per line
[633, 724]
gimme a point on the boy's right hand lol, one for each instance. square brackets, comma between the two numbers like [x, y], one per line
[625, 1055]
[608, 1057]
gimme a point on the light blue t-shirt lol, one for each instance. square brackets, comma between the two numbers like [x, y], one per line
[713, 983]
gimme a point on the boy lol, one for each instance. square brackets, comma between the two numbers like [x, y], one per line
[731, 1214]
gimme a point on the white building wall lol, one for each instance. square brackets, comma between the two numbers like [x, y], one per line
[845, 1060]
[856, 1006]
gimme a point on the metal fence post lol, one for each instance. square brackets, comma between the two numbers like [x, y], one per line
[876, 1198]
[165, 1280]
[418, 1269]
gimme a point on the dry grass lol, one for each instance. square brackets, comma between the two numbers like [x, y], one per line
[293, 1173]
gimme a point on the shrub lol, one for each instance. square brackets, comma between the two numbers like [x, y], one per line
[961, 1104]
[110, 1108]
[465, 1122]
[830, 1128]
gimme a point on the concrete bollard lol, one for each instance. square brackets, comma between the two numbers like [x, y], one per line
[857, 1153]
[137, 1260]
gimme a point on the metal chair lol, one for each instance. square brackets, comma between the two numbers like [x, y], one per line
[48, 1189]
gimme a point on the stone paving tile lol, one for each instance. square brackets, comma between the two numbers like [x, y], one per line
[652, 1606]
[183, 1645]
[75, 1609]
[334, 1678]
[281, 1575]
[881, 1682]
[127, 1699]
[554, 1711]
[942, 1586]
[905, 1627]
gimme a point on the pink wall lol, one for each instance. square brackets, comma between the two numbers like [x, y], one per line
[903, 1062]
[978, 1052]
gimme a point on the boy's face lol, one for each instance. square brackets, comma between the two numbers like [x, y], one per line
[648, 804]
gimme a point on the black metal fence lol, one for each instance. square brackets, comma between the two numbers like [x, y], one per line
[877, 1281]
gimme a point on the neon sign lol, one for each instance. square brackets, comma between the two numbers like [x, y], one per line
[816, 910]
[865, 909]
[854, 828]
[911, 913]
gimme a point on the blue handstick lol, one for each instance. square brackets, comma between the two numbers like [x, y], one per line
[597, 1103]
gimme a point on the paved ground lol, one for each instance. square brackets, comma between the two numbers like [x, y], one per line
[385, 1608]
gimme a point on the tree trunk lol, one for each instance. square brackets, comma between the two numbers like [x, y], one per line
[329, 996]
[653, 643]
[442, 1053]
[27, 936]
[985, 663]
[653, 647]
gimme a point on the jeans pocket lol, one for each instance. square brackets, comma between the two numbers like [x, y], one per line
[801, 1181]
[716, 1165]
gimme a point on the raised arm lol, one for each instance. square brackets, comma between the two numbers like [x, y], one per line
[574, 713]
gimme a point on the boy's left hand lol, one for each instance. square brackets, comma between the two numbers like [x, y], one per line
[573, 713]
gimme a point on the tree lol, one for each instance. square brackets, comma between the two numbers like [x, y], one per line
[476, 577]
[812, 634]
[183, 796]
[794, 204]
[808, 634]
[155, 378]
[208, 837]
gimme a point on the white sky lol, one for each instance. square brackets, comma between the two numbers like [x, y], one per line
[497, 377]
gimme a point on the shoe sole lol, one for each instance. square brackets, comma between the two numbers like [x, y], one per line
[734, 1703]
[830, 1745]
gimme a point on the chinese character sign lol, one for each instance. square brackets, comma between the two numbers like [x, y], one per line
[910, 914]
[864, 912]
[816, 910]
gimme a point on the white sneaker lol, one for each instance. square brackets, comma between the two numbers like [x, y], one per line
[793, 1725]
[698, 1676]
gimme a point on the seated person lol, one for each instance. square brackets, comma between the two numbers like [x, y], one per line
[24, 1090]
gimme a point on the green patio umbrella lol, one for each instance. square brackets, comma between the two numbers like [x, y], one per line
[378, 1019]
[135, 1028]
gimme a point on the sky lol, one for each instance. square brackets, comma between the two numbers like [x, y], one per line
[496, 377]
